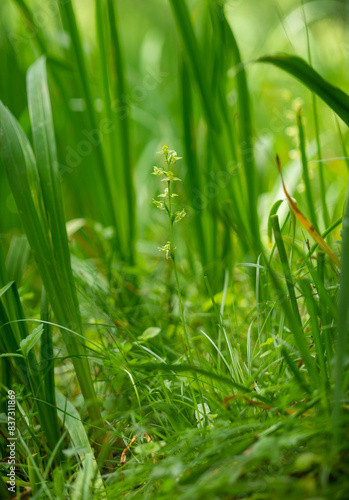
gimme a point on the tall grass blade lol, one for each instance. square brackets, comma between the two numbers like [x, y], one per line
[27, 369]
[326, 216]
[305, 223]
[47, 363]
[294, 369]
[185, 27]
[246, 130]
[342, 330]
[118, 82]
[306, 178]
[32, 187]
[315, 331]
[291, 315]
[297, 67]
[285, 265]
[193, 178]
[16, 259]
[102, 182]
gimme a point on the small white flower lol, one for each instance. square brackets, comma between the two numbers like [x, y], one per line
[159, 204]
[179, 215]
[158, 171]
[166, 249]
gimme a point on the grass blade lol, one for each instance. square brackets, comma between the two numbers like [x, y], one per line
[47, 363]
[342, 329]
[306, 178]
[40, 221]
[129, 215]
[185, 27]
[246, 133]
[319, 347]
[285, 266]
[305, 223]
[102, 182]
[297, 67]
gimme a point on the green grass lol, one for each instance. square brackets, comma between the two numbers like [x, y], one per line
[218, 367]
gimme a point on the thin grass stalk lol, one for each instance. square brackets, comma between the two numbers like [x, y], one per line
[221, 330]
[319, 347]
[16, 259]
[102, 182]
[324, 296]
[25, 185]
[306, 178]
[101, 20]
[184, 24]
[173, 257]
[47, 363]
[326, 216]
[225, 37]
[342, 332]
[292, 313]
[5, 381]
[325, 212]
[62, 279]
[285, 266]
[246, 133]
[295, 370]
[342, 141]
[193, 179]
[328, 311]
[28, 369]
[124, 130]
[216, 135]
[56, 65]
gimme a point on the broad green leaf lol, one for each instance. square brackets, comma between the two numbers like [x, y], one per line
[297, 67]
[274, 209]
[82, 488]
[38, 198]
[17, 257]
[5, 288]
[149, 333]
[21, 169]
[46, 159]
[27, 344]
[269, 341]
[72, 421]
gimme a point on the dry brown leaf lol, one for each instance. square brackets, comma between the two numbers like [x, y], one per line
[149, 439]
[253, 403]
[24, 495]
[123, 454]
[308, 226]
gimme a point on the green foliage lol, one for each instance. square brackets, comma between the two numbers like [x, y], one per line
[217, 365]
[36, 188]
[331, 95]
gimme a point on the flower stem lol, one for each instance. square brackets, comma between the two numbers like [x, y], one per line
[180, 302]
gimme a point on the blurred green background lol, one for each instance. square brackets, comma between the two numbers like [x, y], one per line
[151, 103]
